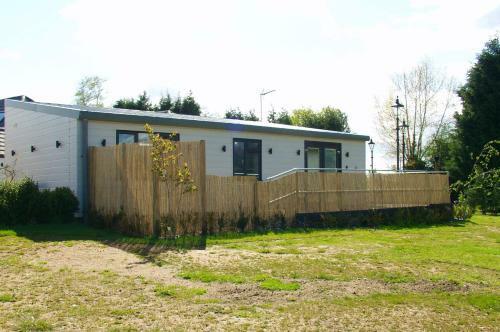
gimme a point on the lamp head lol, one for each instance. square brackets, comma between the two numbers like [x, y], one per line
[398, 104]
[371, 144]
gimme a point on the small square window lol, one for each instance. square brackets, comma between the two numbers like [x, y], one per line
[125, 138]
[142, 138]
[128, 137]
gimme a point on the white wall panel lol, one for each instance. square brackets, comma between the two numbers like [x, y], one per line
[284, 156]
[51, 167]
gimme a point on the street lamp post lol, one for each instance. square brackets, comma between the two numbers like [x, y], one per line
[263, 93]
[371, 145]
[397, 106]
[404, 127]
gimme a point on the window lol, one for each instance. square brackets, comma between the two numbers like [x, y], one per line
[322, 154]
[2, 119]
[125, 137]
[247, 157]
[128, 136]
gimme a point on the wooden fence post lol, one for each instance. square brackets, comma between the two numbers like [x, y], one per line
[156, 212]
[203, 187]
[339, 190]
[297, 201]
[256, 213]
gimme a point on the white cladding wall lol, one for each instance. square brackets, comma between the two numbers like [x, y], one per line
[283, 158]
[51, 167]
[2, 149]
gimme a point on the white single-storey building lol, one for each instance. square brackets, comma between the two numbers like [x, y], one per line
[48, 142]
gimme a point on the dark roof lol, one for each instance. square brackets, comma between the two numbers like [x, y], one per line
[20, 98]
[160, 118]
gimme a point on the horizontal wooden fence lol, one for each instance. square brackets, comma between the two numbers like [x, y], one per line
[124, 193]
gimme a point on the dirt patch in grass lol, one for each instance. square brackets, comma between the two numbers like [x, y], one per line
[89, 256]
[413, 279]
[168, 267]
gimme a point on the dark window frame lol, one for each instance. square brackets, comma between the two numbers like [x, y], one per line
[137, 132]
[322, 145]
[251, 140]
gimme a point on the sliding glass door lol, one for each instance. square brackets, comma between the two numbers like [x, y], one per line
[322, 154]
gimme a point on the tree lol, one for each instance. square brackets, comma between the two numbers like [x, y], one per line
[282, 117]
[189, 106]
[177, 106]
[143, 102]
[482, 188]
[165, 104]
[236, 114]
[327, 118]
[126, 103]
[428, 95]
[304, 117]
[167, 163]
[333, 119]
[480, 118]
[169, 167]
[90, 91]
[441, 152]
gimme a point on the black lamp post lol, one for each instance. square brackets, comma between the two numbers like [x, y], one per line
[397, 106]
[371, 144]
[404, 127]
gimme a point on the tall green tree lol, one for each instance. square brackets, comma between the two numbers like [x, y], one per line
[333, 119]
[189, 106]
[142, 103]
[305, 117]
[177, 105]
[441, 151]
[327, 118]
[165, 104]
[282, 117]
[236, 114]
[126, 103]
[482, 188]
[479, 121]
[90, 91]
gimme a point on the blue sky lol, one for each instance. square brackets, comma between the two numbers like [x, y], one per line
[314, 53]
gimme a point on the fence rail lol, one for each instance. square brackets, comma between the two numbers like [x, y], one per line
[124, 191]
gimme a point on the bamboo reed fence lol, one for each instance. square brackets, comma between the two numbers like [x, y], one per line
[126, 194]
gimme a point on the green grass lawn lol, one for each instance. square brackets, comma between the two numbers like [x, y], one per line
[73, 277]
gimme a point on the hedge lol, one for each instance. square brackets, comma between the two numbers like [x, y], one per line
[22, 202]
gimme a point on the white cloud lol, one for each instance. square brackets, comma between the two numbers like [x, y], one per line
[6, 54]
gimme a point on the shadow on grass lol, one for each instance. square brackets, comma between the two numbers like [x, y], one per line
[148, 247]
[311, 230]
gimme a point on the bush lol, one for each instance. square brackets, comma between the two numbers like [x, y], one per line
[22, 202]
[482, 189]
[462, 210]
[58, 205]
[18, 201]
